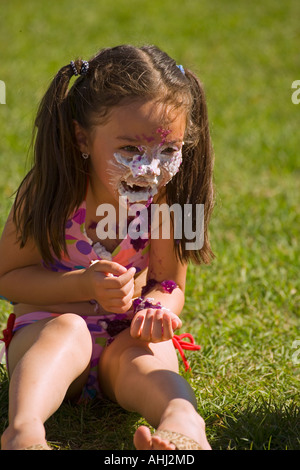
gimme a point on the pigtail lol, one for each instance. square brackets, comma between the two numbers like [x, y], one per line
[193, 184]
[57, 181]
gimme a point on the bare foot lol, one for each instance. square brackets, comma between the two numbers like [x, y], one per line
[24, 436]
[144, 440]
[190, 425]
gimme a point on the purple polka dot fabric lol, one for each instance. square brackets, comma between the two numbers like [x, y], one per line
[80, 251]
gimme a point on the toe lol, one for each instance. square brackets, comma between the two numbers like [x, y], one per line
[162, 444]
[142, 438]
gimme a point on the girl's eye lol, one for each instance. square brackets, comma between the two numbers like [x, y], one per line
[132, 149]
[170, 150]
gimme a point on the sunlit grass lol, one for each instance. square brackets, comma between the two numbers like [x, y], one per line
[244, 307]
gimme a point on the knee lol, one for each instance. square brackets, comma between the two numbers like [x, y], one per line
[71, 321]
[118, 368]
[72, 327]
[142, 358]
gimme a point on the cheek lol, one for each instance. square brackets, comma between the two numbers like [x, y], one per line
[115, 172]
[171, 167]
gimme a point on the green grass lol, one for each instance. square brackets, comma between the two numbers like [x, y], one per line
[243, 308]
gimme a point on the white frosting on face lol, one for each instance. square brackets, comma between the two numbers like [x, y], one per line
[140, 176]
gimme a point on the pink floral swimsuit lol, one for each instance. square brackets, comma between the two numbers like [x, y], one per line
[103, 328]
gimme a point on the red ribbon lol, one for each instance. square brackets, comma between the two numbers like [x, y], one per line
[8, 332]
[180, 344]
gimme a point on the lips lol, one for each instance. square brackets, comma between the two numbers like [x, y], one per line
[135, 192]
[135, 188]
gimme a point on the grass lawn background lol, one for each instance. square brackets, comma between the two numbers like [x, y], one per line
[244, 307]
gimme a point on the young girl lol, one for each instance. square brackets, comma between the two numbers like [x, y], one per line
[96, 302]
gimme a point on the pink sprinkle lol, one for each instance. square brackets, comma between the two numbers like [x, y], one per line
[148, 139]
[163, 134]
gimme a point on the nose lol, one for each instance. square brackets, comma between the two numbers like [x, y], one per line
[153, 167]
[146, 166]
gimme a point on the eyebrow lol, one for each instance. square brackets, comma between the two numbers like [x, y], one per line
[136, 140]
[128, 139]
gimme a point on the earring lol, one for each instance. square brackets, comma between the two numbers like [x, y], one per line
[85, 155]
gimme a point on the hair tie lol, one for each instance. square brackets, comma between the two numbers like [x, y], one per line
[181, 69]
[72, 63]
[84, 67]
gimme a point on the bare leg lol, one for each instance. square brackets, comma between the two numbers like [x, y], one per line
[144, 378]
[45, 358]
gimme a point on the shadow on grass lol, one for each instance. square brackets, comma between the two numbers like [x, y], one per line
[103, 425]
[262, 426]
[98, 425]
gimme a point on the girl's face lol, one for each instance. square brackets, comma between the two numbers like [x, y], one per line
[135, 153]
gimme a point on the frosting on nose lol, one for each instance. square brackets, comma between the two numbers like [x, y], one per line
[141, 165]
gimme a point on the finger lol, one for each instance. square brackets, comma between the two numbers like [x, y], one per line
[157, 329]
[146, 330]
[167, 327]
[129, 275]
[120, 292]
[176, 323]
[120, 281]
[136, 324]
[121, 301]
[109, 267]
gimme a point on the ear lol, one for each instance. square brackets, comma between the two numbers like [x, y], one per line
[81, 136]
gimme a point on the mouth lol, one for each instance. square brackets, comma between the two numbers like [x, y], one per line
[136, 192]
[134, 188]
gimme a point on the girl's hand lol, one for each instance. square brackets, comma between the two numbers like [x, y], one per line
[111, 285]
[154, 325]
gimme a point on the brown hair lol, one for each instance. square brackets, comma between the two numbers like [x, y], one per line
[56, 184]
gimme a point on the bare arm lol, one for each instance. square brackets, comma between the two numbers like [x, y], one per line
[154, 324]
[23, 278]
